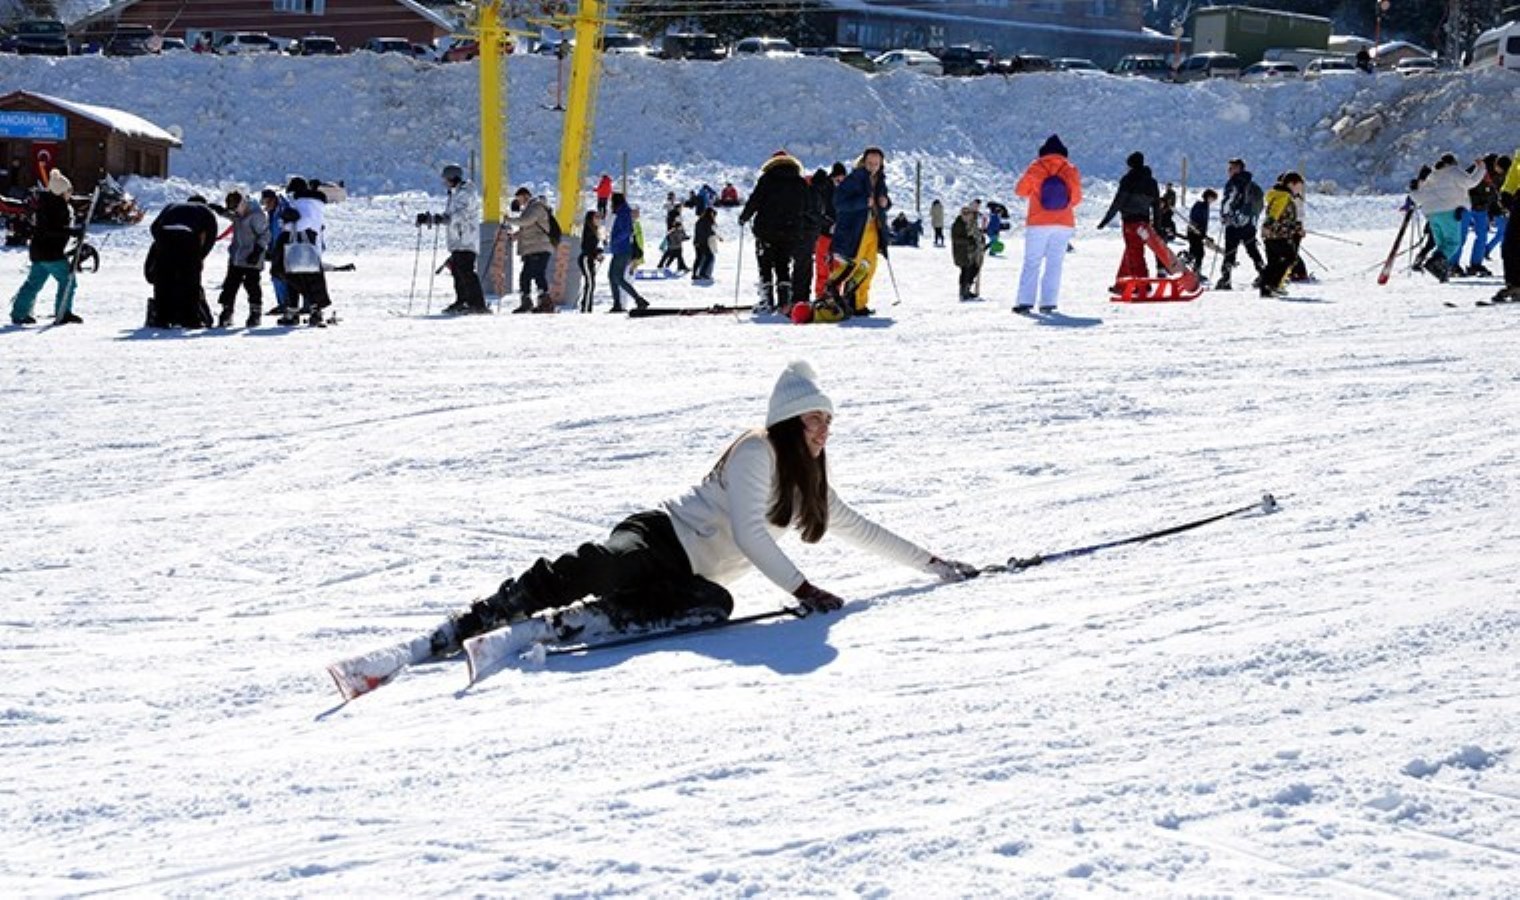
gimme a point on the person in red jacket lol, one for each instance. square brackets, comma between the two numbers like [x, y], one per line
[603, 195]
[1053, 187]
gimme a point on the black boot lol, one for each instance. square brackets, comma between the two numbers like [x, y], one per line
[511, 603]
[525, 305]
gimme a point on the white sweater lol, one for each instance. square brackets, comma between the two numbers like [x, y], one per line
[722, 526]
[1446, 189]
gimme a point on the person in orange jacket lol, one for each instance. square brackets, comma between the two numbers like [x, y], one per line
[1053, 187]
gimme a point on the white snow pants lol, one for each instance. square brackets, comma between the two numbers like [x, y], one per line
[1043, 244]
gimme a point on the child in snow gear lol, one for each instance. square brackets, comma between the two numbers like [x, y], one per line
[996, 217]
[1441, 195]
[968, 247]
[620, 243]
[777, 205]
[591, 254]
[1053, 187]
[537, 233]
[273, 204]
[861, 202]
[245, 258]
[1283, 229]
[705, 241]
[1198, 228]
[183, 235]
[937, 222]
[51, 230]
[1166, 224]
[1241, 208]
[1135, 203]
[675, 239]
[671, 562]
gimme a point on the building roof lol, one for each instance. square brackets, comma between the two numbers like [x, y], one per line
[115, 119]
[115, 9]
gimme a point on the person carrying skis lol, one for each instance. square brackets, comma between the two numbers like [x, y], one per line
[861, 202]
[671, 562]
[1135, 203]
[183, 235]
[620, 243]
[1053, 187]
[591, 254]
[1238, 212]
[537, 234]
[968, 247]
[777, 205]
[937, 221]
[1283, 229]
[1198, 228]
[1440, 195]
[245, 258]
[47, 250]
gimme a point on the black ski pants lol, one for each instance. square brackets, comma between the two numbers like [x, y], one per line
[1281, 254]
[702, 267]
[587, 265]
[535, 270]
[1509, 251]
[775, 259]
[641, 566]
[248, 280]
[467, 289]
[968, 278]
[674, 254]
[1237, 236]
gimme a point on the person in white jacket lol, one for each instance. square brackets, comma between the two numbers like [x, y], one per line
[1440, 194]
[461, 216]
[670, 563]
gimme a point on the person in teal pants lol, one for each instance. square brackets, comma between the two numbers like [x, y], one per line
[50, 236]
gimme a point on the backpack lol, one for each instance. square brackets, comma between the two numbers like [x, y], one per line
[1255, 201]
[553, 230]
[1054, 194]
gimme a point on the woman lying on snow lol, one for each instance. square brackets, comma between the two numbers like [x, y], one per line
[666, 564]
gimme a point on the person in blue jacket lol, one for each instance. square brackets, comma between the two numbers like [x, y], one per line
[620, 244]
[861, 202]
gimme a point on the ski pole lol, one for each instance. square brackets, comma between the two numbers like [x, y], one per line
[1267, 504]
[432, 270]
[739, 269]
[416, 258]
[1332, 237]
[1314, 258]
[893, 277]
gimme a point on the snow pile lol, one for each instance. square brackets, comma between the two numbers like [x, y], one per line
[385, 123]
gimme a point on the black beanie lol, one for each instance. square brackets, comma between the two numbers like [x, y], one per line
[1136, 160]
[838, 170]
[1053, 145]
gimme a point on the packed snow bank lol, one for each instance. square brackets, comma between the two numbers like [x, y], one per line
[385, 123]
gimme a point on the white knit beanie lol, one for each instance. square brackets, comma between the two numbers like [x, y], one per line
[796, 392]
[59, 183]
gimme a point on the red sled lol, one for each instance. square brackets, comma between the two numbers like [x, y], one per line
[1178, 288]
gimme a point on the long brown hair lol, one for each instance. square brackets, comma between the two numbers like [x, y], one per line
[801, 494]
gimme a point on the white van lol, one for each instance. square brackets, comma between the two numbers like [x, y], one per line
[1498, 47]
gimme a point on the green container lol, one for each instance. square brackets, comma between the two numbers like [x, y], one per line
[1249, 33]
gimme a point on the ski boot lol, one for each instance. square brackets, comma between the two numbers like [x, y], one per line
[524, 305]
[510, 604]
[225, 319]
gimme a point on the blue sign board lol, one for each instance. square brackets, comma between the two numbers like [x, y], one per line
[33, 126]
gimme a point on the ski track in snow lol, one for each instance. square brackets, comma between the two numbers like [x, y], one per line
[1317, 702]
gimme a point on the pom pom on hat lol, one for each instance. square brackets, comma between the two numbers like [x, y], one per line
[59, 183]
[796, 392]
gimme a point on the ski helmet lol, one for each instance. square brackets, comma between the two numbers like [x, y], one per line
[452, 172]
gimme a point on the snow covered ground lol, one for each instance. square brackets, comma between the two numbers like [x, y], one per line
[1319, 702]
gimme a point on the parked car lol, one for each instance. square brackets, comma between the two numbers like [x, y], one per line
[912, 60]
[1201, 66]
[1025, 63]
[765, 46]
[39, 37]
[1077, 66]
[1319, 68]
[130, 40]
[315, 45]
[388, 45]
[691, 45]
[850, 56]
[962, 60]
[626, 44]
[1269, 71]
[239, 42]
[173, 45]
[1416, 65]
[1140, 66]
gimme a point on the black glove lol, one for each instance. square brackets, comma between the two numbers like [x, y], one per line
[816, 599]
[255, 256]
[952, 570]
[440, 218]
[424, 219]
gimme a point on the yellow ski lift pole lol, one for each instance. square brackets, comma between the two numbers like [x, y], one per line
[575, 142]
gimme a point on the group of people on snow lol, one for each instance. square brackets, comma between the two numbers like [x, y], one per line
[1458, 203]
